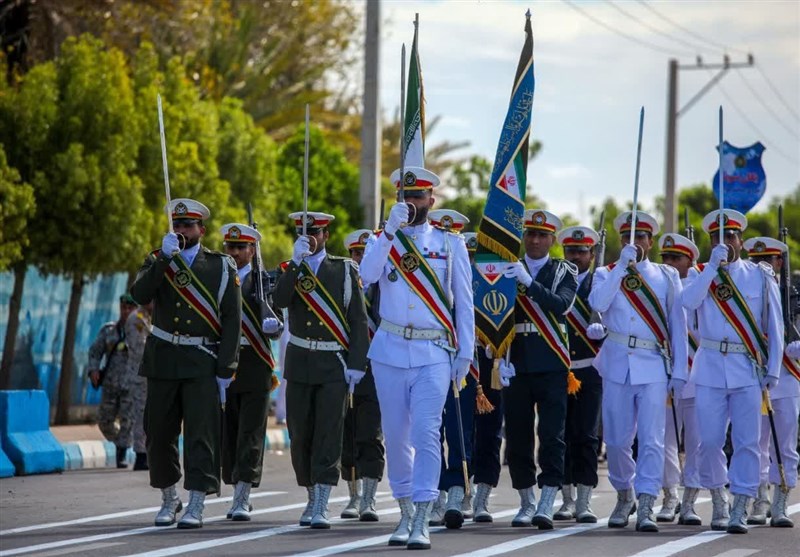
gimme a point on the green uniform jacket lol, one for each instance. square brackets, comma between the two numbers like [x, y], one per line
[253, 374]
[171, 313]
[317, 367]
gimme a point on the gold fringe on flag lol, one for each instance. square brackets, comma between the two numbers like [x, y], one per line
[274, 383]
[482, 404]
[573, 383]
[496, 247]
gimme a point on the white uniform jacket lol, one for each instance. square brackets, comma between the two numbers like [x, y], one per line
[646, 366]
[691, 325]
[401, 306]
[733, 370]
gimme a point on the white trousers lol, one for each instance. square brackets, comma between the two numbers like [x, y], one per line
[691, 473]
[412, 401]
[715, 408]
[628, 411]
[785, 411]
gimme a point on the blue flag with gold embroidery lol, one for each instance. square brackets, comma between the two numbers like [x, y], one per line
[500, 231]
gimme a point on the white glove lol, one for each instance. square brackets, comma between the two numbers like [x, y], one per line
[596, 331]
[793, 349]
[270, 325]
[718, 255]
[302, 248]
[353, 377]
[459, 370]
[676, 386]
[519, 272]
[769, 382]
[170, 245]
[629, 254]
[222, 386]
[397, 217]
[507, 371]
[488, 352]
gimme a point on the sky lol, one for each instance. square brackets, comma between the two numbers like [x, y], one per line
[592, 79]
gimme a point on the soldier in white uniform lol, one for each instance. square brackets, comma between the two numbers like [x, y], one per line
[785, 405]
[729, 374]
[640, 361]
[424, 342]
[681, 253]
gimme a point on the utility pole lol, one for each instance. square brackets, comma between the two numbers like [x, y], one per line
[673, 113]
[370, 171]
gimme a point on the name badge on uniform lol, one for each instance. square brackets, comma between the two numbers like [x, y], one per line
[183, 279]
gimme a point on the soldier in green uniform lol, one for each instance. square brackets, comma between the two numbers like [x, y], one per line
[189, 359]
[362, 449]
[327, 351]
[137, 329]
[248, 396]
[116, 400]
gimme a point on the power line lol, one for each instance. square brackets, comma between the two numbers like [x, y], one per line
[654, 29]
[777, 93]
[651, 46]
[768, 108]
[719, 46]
[744, 117]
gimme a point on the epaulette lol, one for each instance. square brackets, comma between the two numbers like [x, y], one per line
[154, 254]
[700, 267]
[284, 265]
[766, 268]
[611, 266]
[109, 325]
[335, 257]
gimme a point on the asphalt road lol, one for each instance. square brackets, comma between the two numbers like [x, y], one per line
[110, 513]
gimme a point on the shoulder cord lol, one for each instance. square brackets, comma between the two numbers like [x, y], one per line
[223, 283]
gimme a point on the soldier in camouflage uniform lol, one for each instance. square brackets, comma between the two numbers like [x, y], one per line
[117, 400]
[327, 351]
[137, 329]
[189, 359]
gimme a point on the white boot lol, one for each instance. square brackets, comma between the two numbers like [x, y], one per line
[420, 536]
[366, 511]
[583, 508]
[320, 519]
[453, 517]
[720, 513]
[308, 512]
[351, 509]
[544, 513]
[193, 517]
[436, 516]
[687, 515]
[170, 506]
[625, 507]
[481, 504]
[527, 508]
[644, 518]
[403, 530]
[567, 509]
[779, 517]
[738, 522]
[466, 506]
[240, 512]
[761, 506]
[669, 506]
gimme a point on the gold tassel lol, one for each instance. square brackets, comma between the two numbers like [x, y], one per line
[573, 383]
[274, 382]
[765, 403]
[496, 385]
[482, 404]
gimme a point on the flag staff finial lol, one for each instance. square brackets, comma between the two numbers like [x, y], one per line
[528, 13]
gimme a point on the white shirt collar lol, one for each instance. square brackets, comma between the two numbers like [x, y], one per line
[534, 265]
[189, 254]
[417, 229]
[315, 260]
[243, 272]
[582, 276]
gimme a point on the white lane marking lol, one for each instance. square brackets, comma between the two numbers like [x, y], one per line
[528, 541]
[376, 540]
[135, 531]
[737, 553]
[68, 550]
[673, 547]
[122, 514]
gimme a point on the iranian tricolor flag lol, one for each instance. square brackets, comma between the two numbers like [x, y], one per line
[414, 125]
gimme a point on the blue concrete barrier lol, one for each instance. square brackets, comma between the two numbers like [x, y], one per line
[6, 467]
[25, 433]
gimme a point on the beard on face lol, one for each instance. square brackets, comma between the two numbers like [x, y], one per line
[420, 216]
[186, 243]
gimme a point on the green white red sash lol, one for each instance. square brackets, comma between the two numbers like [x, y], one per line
[578, 318]
[693, 346]
[731, 303]
[323, 305]
[646, 303]
[792, 366]
[194, 293]
[548, 326]
[372, 327]
[254, 335]
[421, 278]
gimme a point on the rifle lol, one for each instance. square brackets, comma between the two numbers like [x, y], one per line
[689, 229]
[786, 282]
[264, 308]
[382, 221]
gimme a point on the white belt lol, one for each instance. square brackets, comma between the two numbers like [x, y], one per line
[632, 341]
[310, 344]
[410, 333]
[582, 364]
[724, 346]
[531, 328]
[181, 340]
